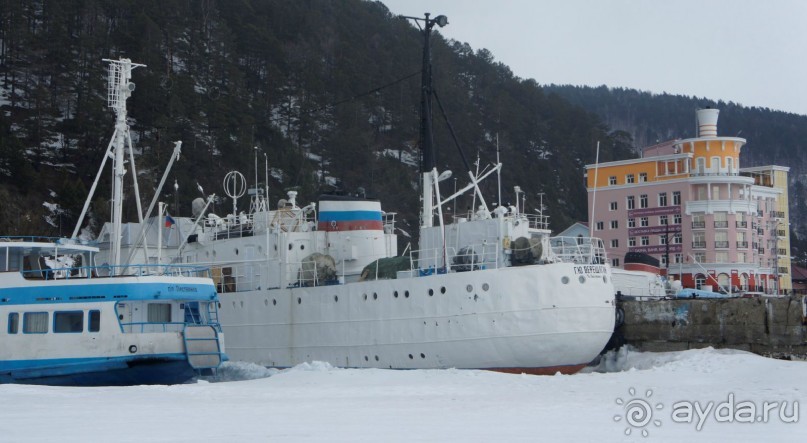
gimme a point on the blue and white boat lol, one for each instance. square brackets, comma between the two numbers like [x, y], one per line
[64, 321]
[66, 324]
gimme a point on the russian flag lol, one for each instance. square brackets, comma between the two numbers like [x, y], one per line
[169, 221]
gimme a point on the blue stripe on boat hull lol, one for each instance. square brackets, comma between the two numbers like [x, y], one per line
[121, 371]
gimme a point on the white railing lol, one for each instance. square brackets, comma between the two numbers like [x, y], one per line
[471, 257]
[580, 250]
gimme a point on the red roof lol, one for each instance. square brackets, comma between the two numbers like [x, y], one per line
[798, 273]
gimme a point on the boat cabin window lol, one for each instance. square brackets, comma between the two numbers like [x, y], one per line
[68, 321]
[159, 313]
[94, 322]
[13, 322]
[35, 323]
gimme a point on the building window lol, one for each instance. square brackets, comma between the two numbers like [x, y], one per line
[642, 177]
[631, 222]
[613, 206]
[645, 240]
[68, 321]
[662, 239]
[612, 180]
[662, 199]
[741, 257]
[631, 241]
[629, 178]
[721, 257]
[631, 202]
[94, 322]
[700, 257]
[698, 221]
[599, 226]
[662, 220]
[643, 201]
[676, 198]
[615, 243]
[35, 323]
[699, 239]
[679, 258]
[614, 262]
[614, 224]
[664, 260]
[700, 281]
[677, 219]
[13, 322]
[644, 221]
[676, 240]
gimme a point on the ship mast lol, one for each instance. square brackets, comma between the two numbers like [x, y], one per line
[119, 89]
[428, 169]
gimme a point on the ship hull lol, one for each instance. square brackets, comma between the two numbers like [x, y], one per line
[534, 319]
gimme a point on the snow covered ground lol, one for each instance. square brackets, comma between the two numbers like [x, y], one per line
[316, 402]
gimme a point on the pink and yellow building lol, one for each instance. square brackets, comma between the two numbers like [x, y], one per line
[689, 204]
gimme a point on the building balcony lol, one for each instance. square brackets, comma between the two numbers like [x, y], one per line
[721, 244]
[699, 245]
[777, 214]
[782, 251]
[741, 224]
[698, 225]
[742, 244]
[721, 224]
[780, 233]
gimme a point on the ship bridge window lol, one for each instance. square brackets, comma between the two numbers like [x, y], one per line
[35, 323]
[159, 313]
[13, 322]
[94, 322]
[68, 321]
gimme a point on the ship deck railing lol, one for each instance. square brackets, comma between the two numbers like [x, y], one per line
[579, 250]
[237, 277]
[469, 258]
[157, 327]
[106, 271]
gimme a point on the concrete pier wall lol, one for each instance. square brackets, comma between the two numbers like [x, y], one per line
[768, 326]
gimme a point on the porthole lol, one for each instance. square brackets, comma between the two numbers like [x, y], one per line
[422, 355]
[299, 301]
[564, 280]
[395, 294]
[485, 287]
[442, 289]
[376, 358]
[207, 253]
[411, 357]
[366, 359]
[214, 253]
[365, 296]
[275, 247]
[219, 305]
[431, 292]
[469, 288]
[236, 251]
[375, 296]
[274, 302]
[406, 294]
[581, 279]
[302, 247]
[605, 279]
[335, 298]
[290, 246]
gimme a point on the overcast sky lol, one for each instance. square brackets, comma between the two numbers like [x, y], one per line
[752, 52]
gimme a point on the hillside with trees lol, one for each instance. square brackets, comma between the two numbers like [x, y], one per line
[328, 91]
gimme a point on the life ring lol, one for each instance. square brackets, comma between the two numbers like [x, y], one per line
[333, 224]
[132, 349]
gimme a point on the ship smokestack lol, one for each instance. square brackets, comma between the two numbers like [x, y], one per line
[707, 122]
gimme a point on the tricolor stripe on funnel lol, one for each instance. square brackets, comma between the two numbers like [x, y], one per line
[349, 215]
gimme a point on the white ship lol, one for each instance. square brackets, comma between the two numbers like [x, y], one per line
[321, 281]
